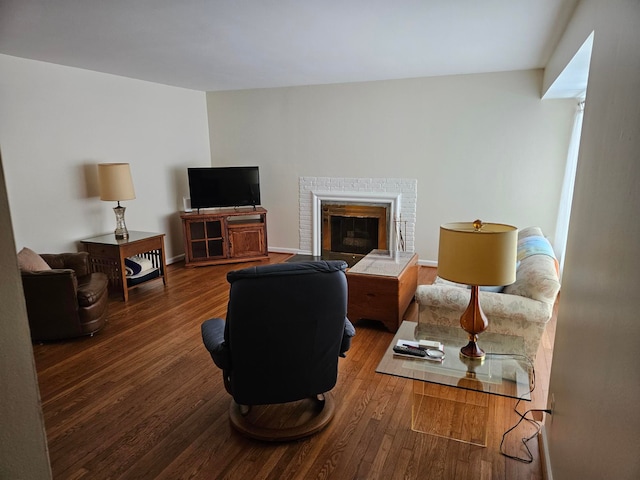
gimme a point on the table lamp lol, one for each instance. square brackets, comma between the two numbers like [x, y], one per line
[477, 254]
[116, 184]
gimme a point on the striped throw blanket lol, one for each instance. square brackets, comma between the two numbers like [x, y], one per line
[135, 265]
[536, 245]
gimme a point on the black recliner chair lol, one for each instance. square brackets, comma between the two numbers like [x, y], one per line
[286, 327]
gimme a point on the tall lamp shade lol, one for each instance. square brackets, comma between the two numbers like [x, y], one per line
[116, 184]
[477, 254]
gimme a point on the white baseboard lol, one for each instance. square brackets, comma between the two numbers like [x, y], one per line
[545, 461]
[427, 263]
[177, 258]
[294, 251]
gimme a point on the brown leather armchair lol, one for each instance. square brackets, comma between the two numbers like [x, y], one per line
[68, 300]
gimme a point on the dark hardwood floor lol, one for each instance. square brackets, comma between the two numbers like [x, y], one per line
[143, 400]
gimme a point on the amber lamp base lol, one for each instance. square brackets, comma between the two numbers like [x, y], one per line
[473, 321]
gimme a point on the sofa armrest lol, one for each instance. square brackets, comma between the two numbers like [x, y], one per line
[537, 279]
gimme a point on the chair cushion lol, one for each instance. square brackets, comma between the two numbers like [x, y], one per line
[91, 288]
[30, 261]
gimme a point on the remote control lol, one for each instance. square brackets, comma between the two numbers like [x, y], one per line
[416, 352]
[430, 344]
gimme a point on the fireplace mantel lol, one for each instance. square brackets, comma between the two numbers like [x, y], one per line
[400, 193]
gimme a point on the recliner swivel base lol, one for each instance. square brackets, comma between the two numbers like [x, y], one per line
[283, 422]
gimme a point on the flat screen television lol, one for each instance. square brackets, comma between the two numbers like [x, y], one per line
[224, 186]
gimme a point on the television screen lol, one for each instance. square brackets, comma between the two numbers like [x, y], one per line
[224, 186]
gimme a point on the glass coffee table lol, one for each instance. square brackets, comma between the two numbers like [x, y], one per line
[451, 396]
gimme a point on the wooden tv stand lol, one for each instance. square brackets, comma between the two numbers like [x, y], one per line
[224, 236]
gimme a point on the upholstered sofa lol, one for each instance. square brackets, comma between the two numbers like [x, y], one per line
[520, 309]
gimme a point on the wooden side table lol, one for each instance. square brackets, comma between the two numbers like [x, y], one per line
[107, 254]
[381, 287]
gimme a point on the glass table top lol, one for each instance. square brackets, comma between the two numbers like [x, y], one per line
[383, 262]
[110, 238]
[505, 371]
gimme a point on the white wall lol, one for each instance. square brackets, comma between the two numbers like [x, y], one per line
[481, 146]
[593, 433]
[57, 123]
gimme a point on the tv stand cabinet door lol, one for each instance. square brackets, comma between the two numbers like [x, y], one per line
[204, 239]
[247, 241]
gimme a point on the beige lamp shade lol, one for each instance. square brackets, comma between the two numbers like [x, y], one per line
[478, 256]
[115, 181]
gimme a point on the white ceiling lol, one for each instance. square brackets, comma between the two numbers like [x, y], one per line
[236, 44]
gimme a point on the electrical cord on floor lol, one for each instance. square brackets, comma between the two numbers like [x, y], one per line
[525, 440]
[523, 416]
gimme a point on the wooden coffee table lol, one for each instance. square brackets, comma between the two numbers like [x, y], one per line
[381, 287]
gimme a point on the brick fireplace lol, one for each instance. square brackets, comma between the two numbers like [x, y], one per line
[367, 213]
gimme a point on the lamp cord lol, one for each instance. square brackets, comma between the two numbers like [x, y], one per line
[523, 416]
